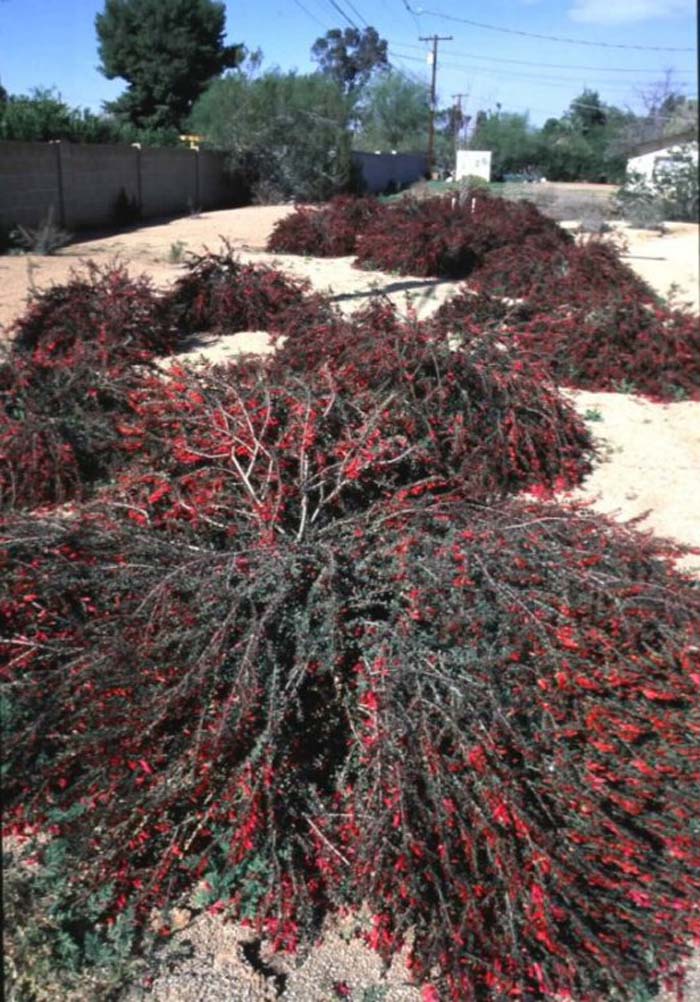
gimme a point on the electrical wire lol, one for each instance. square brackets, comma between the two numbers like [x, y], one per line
[529, 62]
[356, 12]
[343, 14]
[538, 77]
[312, 16]
[552, 38]
[413, 14]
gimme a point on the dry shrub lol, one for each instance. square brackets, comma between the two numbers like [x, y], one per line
[328, 230]
[306, 655]
[65, 382]
[618, 344]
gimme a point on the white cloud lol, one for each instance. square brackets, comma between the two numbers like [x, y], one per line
[624, 11]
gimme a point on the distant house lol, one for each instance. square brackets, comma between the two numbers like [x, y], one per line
[660, 155]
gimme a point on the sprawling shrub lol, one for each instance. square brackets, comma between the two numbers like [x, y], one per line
[559, 275]
[588, 320]
[221, 295]
[306, 438]
[61, 422]
[476, 411]
[328, 230]
[480, 721]
[618, 344]
[102, 308]
[449, 236]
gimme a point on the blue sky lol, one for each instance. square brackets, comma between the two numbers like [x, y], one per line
[53, 43]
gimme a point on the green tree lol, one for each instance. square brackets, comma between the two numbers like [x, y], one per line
[510, 138]
[587, 113]
[43, 115]
[286, 134]
[167, 51]
[585, 143]
[395, 112]
[349, 56]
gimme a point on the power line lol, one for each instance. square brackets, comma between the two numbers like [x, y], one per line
[546, 80]
[344, 15]
[307, 11]
[551, 66]
[356, 12]
[552, 38]
[413, 14]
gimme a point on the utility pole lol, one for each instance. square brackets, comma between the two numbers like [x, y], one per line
[431, 133]
[459, 121]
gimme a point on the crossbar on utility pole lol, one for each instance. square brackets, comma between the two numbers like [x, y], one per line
[431, 128]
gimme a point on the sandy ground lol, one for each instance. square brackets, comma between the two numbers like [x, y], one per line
[662, 260]
[650, 463]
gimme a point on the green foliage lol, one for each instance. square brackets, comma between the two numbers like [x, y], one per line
[57, 942]
[471, 182]
[285, 130]
[167, 51]
[394, 115]
[177, 251]
[639, 205]
[677, 185]
[584, 144]
[350, 57]
[510, 138]
[580, 146]
[42, 115]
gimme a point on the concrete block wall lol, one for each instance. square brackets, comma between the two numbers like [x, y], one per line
[168, 181]
[93, 177]
[214, 185]
[380, 170]
[83, 181]
[29, 184]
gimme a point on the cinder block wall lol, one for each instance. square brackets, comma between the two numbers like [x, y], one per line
[379, 170]
[93, 177]
[28, 183]
[214, 185]
[83, 181]
[168, 181]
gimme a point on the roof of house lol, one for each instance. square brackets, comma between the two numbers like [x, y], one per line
[689, 135]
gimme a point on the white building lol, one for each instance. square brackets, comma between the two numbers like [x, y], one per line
[660, 155]
[476, 163]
